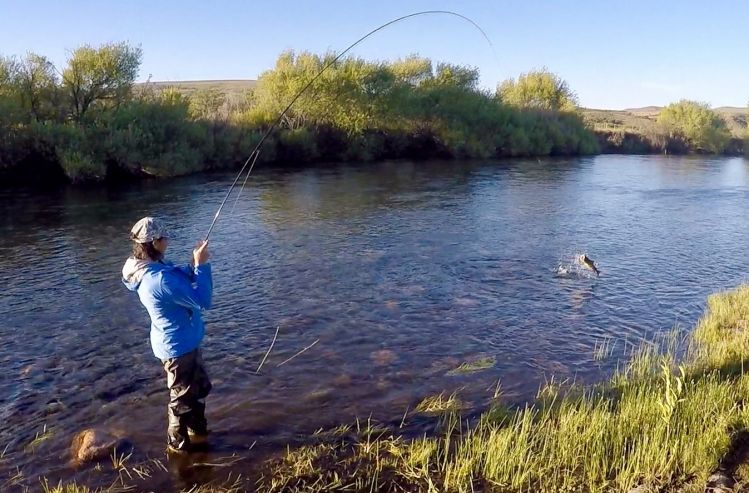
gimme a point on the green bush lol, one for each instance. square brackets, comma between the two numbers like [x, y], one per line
[538, 90]
[702, 128]
[80, 167]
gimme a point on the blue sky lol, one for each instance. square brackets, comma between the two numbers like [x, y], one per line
[613, 54]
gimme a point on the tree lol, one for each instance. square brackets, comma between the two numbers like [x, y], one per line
[701, 127]
[538, 89]
[8, 71]
[37, 84]
[103, 75]
[11, 109]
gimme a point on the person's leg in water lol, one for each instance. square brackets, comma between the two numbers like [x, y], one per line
[197, 425]
[188, 383]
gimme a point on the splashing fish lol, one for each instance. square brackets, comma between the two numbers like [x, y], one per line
[587, 262]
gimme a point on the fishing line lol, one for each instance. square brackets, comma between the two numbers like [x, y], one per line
[256, 151]
[239, 194]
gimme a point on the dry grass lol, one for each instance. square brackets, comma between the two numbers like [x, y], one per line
[234, 90]
[39, 438]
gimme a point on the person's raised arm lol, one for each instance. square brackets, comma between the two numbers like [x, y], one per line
[198, 297]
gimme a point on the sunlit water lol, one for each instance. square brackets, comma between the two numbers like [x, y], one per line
[403, 271]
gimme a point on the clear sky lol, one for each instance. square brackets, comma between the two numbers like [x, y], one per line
[614, 54]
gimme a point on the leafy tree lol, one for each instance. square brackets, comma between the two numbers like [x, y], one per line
[701, 127]
[538, 89]
[10, 104]
[38, 86]
[103, 75]
[8, 71]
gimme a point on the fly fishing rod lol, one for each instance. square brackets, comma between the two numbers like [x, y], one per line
[256, 151]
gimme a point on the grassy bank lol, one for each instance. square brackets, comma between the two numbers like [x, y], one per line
[662, 423]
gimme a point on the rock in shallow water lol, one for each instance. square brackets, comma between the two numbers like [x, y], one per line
[383, 357]
[94, 444]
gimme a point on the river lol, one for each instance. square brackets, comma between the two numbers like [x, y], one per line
[402, 271]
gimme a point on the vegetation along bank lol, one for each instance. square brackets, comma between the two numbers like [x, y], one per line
[89, 121]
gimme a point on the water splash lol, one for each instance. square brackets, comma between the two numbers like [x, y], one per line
[570, 267]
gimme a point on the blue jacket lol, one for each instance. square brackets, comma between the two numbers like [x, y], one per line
[174, 297]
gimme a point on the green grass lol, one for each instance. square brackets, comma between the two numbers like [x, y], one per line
[438, 404]
[659, 423]
[603, 349]
[39, 438]
[474, 366]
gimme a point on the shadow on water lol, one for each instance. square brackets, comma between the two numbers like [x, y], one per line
[404, 272]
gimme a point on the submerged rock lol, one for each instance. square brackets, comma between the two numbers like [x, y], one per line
[54, 406]
[342, 380]
[94, 444]
[720, 482]
[383, 357]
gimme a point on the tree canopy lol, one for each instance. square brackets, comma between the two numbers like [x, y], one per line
[103, 75]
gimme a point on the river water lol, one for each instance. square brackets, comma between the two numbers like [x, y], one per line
[402, 271]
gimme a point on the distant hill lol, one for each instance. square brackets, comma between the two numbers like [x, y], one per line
[234, 89]
[656, 109]
[643, 120]
[645, 109]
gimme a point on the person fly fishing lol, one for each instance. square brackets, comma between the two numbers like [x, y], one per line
[174, 297]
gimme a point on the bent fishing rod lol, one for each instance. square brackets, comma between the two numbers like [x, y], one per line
[256, 151]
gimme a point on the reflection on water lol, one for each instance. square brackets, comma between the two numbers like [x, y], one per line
[403, 271]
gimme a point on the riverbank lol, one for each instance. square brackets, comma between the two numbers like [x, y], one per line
[157, 138]
[636, 131]
[44, 158]
[663, 423]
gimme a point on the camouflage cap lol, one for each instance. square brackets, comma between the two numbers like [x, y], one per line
[148, 229]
